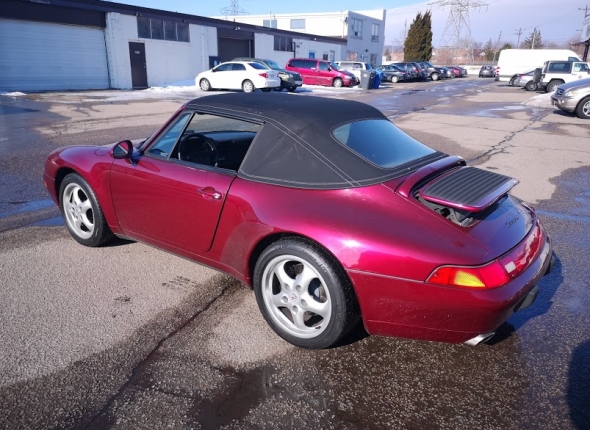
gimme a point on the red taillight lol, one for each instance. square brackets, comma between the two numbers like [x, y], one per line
[263, 74]
[491, 275]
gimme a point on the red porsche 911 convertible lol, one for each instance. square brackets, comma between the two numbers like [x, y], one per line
[325, 208]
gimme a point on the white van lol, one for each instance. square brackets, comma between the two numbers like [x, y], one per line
[515, 61]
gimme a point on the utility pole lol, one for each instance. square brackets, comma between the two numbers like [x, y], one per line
[585, 11]
[519, 32]
[496, 47]
[534, 34]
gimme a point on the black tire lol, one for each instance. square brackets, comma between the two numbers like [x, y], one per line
[435, 76]
[552, 86]
[583, 108]
[78, 204]
[337, 83]
[530, 86]
[266, 90]
[328, 291]
[291, 89]
[511, 81]
[204, 85]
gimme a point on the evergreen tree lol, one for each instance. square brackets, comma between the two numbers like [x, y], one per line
[534, 41]
[488, 49]
[418, 43]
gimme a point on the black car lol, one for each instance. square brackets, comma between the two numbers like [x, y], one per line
[433, 72]
[392, 73]
[289, 79]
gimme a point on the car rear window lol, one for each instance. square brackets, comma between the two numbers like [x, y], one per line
[380, 142]
[258, 66]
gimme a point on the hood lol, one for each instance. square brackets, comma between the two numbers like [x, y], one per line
[578, 84]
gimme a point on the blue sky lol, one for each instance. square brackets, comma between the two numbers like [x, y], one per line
[558, 21]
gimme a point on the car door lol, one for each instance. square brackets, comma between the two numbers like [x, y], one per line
[221, 76]
[325, 75]
[165, 201]
[239, 75]
[580, 70]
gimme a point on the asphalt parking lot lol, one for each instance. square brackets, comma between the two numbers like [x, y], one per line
[127, 336]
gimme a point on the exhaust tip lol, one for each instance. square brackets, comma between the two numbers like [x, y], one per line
[480, 338]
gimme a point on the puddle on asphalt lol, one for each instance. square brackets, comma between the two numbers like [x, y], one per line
[21, 207]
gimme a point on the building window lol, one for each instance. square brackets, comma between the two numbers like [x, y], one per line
[311, 54]
[270, 23]
[351, 56]
[375, 33]
[297, 24]
[356, 28]
[152, 28]
[283, 43]
[373, 59]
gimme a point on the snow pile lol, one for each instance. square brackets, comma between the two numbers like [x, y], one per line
[540, 101]
[14, 94]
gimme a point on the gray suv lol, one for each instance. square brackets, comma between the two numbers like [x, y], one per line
[573, 97]
[289, 79]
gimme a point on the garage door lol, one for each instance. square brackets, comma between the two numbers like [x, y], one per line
[38, 56]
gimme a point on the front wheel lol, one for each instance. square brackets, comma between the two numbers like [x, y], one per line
[304, 294]
[394, 79]
[511, 81]
[291, 89]
[266, 90]
[248, 86]
[583, 109]
[435, 77]
[204, 85]
[82, 213]
[337, 82]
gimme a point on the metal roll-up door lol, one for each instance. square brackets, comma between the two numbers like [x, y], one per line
[37, 56]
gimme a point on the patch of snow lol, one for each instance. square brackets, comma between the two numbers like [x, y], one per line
[13, 94]
[540, 101]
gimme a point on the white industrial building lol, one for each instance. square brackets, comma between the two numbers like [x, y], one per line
[364, 32]
[94, 44]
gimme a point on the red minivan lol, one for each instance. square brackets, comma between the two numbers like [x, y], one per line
[321, 72]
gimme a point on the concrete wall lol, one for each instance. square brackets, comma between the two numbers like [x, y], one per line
[166, 61]
[264, 48]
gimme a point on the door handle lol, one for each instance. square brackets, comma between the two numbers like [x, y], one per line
[209, 193]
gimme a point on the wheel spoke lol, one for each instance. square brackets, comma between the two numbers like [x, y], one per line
[75, 197]
[283, 277]
[312, 305]
[87, 223]
[78, 223]
[298, 319]
[276, 300]
[305, 277]
[85, 205]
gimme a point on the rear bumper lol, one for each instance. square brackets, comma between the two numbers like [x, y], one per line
[418, 310]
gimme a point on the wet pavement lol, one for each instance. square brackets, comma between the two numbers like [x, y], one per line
[204, 357]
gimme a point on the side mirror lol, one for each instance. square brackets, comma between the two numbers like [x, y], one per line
[123, 149]
[213, 70]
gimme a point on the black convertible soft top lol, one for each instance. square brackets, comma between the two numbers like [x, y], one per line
[295, 147]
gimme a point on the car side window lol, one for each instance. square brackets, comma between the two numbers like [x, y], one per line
[215, 141]
[224, 67]
[237, 66]
[162, 147]
[324, 67]
[580, 67]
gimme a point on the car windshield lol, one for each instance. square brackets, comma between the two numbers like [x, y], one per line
[428, 64]
[334, 66]
[380, 142]
[273, 65]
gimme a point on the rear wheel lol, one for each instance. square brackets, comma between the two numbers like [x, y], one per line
[530, 86]
[248, 86]
[394, 79]
[511, 81]
[291, 89]
[337, 82]
[435, 77]
[583, 109]
[82, 213]
[552, 86]
[304, 294]
[266, 90]
[204, 85]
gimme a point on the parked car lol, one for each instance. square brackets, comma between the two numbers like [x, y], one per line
[234, 75]
[434, 72]
[325, 208]
[354, 67]
[455, 71]
[411, 70]
[573, 97]
[525, 80]
[448, 73]
[463, 71]
[392, 73]
[487, 72]
[289, 80]
[555, 73]
[321, 72]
